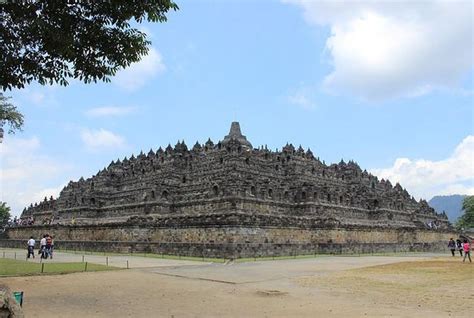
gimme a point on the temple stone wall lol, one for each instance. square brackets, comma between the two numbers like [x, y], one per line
[234, 242]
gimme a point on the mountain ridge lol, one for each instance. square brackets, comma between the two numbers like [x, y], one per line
[451, 204]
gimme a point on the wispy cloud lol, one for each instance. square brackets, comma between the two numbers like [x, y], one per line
[138, 74]
[101, 139]
[37, 95]
[109, 111]
[303, 97]
[301, 100]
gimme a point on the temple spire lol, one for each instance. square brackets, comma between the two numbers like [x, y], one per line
[236, 135]
[235, 130]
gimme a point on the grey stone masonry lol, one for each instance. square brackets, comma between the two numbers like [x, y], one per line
[287, 188]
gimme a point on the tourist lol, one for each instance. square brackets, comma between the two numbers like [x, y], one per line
[452, 245]
[52, 247]
[48, 247]
[31, 247]
[42, 245]
[467, 251]
[459, 246]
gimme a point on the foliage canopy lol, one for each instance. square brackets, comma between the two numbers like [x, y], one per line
[467, 219]
[52, 41]
[9, 115]
[4, 214]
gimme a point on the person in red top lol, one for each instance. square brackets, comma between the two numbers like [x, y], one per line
[467, 250]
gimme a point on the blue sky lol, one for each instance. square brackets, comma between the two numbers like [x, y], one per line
[389, 85]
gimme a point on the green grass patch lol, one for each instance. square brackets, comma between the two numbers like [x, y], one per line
[11, 267]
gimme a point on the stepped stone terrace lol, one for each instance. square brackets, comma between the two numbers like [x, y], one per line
[229, 192]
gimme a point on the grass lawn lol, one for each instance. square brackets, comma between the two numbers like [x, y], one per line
[11, 267]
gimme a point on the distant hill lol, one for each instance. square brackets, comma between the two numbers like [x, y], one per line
[452, 204]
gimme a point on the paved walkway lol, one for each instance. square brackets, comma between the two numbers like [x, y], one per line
[238, 272]
[265, 271]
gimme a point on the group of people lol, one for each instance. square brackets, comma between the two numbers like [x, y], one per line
[461, 247]
[20, 222]
[46, 247]
[433, 224]
[28, 221]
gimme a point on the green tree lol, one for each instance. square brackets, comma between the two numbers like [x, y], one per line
[52, 41]
[467, 219]
[4, 214]
[9, 115]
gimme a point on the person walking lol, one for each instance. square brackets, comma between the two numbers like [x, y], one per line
[48, 247]
[467, 251]
[42, 245]
[459, 246]
[31, 247]
[52, 246]
[452, 245]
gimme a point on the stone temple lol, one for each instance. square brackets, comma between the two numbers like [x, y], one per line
[230, 199]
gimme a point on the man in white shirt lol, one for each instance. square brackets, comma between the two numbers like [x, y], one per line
[42, 246]
[31, 247]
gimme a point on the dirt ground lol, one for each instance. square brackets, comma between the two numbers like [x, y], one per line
[379, 286]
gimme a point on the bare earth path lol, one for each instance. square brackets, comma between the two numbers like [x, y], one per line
[377, 286]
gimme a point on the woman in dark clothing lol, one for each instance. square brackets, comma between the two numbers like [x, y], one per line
[452, 246]
[459, 246]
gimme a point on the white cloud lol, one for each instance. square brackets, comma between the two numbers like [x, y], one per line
[138, 74]
[426, 178]
[303, 97]
[109, 111]
[385, 49]
[101, 139]
[27, 175]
